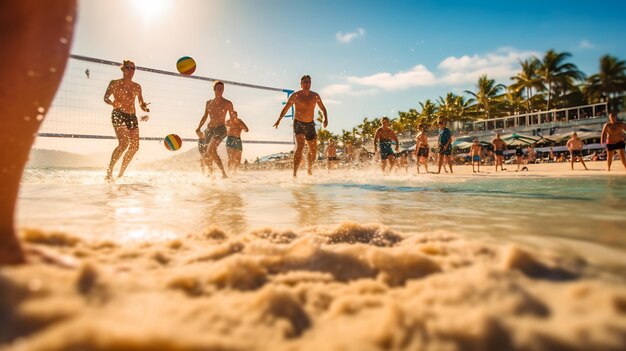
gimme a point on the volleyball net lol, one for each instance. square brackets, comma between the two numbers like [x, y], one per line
[177, 104]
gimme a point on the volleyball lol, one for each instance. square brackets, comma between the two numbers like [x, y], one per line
[172, 142]
[186, 65]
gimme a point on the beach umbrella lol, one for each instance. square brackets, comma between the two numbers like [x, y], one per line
[521, 139]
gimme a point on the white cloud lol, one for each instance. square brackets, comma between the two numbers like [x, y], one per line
[499, 65]
[344, 89]
[451, 71]
[348, 37]
[586, 44]
[417, 76]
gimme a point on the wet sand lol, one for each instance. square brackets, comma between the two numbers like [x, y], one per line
[348, 287]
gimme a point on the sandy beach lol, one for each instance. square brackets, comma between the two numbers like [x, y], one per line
[334, 287]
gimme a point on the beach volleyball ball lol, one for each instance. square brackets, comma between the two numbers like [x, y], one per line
[173, 142]
[186, 65]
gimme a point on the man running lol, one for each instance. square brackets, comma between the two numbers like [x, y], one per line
[575, 147]
[444, 147]
[123, 117]
[519, 156]
[384, 137]
[233, 141]
[216, 129]
[613, 137]
[498, 148]
[304, 101]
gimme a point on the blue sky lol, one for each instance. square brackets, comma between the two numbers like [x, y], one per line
[367, 58]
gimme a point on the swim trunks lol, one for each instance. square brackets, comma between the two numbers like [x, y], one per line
[577, 153]
[519, 152]
[218, 132]
[308, 129]
[476, 158]
[422, 152]
[499, 152]
[120, 119]
[616, 146]
[333, 158]
[234, 143]
[202, 145]
[446, 152]
[385, 149]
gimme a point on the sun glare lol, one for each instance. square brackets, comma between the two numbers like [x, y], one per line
[150, 10]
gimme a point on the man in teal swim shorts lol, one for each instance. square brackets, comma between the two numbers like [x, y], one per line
[444, 147]
[383, 138]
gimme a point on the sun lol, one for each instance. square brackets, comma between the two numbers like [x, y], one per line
[151, 10]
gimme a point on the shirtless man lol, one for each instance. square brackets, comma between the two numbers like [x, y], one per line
[331, 155]
[575, 147]
[233, 141]
[304, 101]
[421, 149]
[383, 138]
[123, 117]
[37, 35]
[498, 147]
[216, 129]
[613, 137]
[475, 152]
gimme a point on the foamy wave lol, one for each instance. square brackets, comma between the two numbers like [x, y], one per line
[350, 287]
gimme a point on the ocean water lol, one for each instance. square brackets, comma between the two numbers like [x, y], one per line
[152, 205]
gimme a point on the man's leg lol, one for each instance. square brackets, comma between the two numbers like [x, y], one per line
[312, 144]
[440, 162]
[297, 155]
[122, 139]
[37, 35]
[133, 136]
[583, 162]
[609, 159]
[572, 159]
[215, 142]
[449, 161]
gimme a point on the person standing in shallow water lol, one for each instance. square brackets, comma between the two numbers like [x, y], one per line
[304, 101]
[123, 117]
[234, 146]
[613, 137]
[384, 137]
[216, 109]
[31, 33]
[445, 145]
[421, 148]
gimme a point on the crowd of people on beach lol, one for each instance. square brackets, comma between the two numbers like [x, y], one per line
[386, 144]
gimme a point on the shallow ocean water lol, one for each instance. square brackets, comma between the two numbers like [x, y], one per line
[152, 205]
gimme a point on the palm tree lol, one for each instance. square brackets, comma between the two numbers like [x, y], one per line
[487, 91]
[405, 124]
[527, 80]
[454, 108]
[513, 102]
[367, 129]
[428, 116]
[556, 74]
[610, 80]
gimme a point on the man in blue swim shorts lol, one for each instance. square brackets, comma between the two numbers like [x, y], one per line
[475, 152]
[383, 138]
